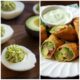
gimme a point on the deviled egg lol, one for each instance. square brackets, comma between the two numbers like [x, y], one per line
[18, 58]
[11, 9]
[6, 32]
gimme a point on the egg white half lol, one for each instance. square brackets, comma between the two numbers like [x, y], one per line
[8, 33]
[12, 14]
[26, 64]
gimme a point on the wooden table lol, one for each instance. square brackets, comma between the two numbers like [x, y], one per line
[59, 3]
[21, 37]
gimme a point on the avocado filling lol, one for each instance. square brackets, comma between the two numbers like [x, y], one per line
[48, 49]
[64, 54]
[14, 54]
[8, 5]
[2, 31]
[55, 29]
[38, 7]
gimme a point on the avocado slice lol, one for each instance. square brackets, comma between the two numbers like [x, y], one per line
[33, 23]
[32, 26]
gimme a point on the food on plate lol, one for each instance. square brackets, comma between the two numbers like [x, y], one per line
[8, 5]
[50, 45]
[67, 52]
[76, 25]
[18, 58]
[54, 47]
[32, 25]
[65, 32]
[15, 54]
[11, 9]
[55, 16]
[6, 32]
[43, 33]
[2, 31]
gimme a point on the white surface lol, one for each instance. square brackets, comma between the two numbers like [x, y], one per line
[27, 64]
[52, 68]
[12, 14]
[8, 33]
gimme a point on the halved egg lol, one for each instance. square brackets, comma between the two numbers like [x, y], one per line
[6, 33]
[26, 64]
[14, 11]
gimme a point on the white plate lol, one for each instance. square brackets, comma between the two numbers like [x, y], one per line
[55, 69]
[27, 64]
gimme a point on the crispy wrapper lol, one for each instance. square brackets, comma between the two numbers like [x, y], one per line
[43, 33]
[55, 40]
[52, 38]
[73, 47]
[67, 33]
[76, 25]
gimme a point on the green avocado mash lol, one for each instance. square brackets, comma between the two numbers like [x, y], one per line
[2, 31]
[14, 53]
[46, 47]
[38, 8]
[8, 5]
[55, 29]
[64, 54]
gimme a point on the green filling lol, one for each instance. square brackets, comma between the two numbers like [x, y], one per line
[15, 54]
[2, 31]
[70, 26]
[65, 54]
[8, 5]
[38, 8]
[46, 47]
[56, 28]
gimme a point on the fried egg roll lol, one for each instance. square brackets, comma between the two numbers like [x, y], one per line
[67, 52]
[50, 45]
[64, 32]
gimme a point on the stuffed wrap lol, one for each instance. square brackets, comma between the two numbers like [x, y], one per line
[64, 32]
[67, 52]
[50, 45]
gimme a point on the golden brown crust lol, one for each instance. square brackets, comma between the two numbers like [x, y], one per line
[43, 33]
[67, 33]
[55, 40]
[76, 25]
